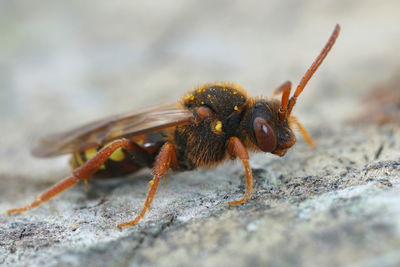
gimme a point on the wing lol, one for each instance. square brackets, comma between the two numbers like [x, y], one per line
[111, 128]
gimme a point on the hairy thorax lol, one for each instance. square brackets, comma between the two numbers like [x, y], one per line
[204, 143]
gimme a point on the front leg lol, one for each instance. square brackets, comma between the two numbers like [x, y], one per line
[237, 149]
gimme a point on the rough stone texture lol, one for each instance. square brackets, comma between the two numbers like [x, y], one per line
[66, 63]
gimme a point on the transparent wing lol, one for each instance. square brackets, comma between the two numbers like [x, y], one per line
[114, 127]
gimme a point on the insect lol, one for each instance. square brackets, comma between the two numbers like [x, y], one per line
[212, 123]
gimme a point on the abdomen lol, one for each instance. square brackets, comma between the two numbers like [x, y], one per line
[122, 162]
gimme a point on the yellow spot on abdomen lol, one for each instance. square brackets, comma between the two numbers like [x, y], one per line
[235, 108]
[117, 155]
[90, 153]
[78, 159]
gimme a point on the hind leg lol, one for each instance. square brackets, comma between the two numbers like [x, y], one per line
[84, 172]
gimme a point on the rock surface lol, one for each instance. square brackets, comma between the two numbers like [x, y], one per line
[64, 64]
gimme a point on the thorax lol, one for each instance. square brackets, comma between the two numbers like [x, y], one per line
[204, 143]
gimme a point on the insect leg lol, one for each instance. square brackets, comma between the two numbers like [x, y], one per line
[303, 131]
[83, 172]
[237, 149]
[165, 159]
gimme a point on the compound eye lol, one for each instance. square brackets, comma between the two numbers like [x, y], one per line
[265, 136]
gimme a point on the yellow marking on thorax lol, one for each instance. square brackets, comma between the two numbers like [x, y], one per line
[235, 108]
[189, 97]
[218, 126]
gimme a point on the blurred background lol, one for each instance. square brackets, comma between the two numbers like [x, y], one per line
[66, 63]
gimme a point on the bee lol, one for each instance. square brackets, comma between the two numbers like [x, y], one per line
[210, 124]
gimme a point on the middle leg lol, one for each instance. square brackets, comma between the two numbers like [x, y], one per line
[166, 158]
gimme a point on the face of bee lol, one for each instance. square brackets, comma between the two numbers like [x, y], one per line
[268, 133]
[287, 140]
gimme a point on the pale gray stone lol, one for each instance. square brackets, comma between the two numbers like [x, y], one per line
[64, 63]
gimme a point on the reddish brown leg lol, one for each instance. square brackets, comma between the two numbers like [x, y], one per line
[303, 131]
[83, 172]
[285, 90]
[237, 149]
[165, 159]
